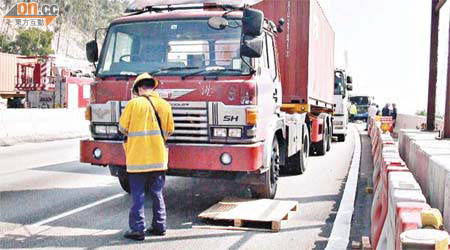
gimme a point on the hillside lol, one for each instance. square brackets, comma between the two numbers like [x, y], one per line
[75, 24]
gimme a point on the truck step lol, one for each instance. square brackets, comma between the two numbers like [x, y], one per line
[245, 214]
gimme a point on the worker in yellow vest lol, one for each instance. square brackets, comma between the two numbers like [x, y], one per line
[147, 121]
[353, 112]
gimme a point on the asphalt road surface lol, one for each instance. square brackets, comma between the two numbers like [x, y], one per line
[50, 200]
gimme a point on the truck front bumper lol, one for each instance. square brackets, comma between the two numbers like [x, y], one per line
[339, 125]
[189, 157]
[361, 116]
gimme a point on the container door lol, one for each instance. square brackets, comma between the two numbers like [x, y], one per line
[72, 100]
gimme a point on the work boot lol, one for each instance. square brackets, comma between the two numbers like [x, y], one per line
[152, 231]
[134, 235]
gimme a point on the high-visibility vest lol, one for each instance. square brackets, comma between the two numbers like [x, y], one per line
[353, 110]
[145, 147]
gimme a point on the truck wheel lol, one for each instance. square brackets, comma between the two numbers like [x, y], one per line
[298, 162]
[341, 138]
[270, 178]
[124, 182]
[306, 149]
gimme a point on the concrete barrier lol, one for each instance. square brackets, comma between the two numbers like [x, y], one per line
[439, 185]
[410, 148]
[35, 125]
[426, 175]
[18, 126]
[414, 122]
[3, 133]
[403, 139]
[439, 171]
[447, 202]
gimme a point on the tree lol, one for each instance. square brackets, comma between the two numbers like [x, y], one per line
[5, 43]
[33, 42]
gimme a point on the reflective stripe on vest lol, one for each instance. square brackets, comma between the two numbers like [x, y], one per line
[147, 166]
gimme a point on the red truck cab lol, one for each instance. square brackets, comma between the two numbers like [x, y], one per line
[219, 68]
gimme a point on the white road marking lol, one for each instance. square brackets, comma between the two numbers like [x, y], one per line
[65, 214]
[340, 233]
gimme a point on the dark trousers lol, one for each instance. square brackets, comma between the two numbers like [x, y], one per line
[138, 183]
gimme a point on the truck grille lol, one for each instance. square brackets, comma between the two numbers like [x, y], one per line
[362, 110]
[191, 122]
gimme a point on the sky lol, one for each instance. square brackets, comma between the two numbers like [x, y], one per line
[388, 45]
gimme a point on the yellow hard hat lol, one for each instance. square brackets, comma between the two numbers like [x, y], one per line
[143, 76]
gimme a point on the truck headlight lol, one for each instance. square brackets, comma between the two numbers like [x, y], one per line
[220, 132]
[104, 129]
[112, 130]
[235, 132]
[100, 129]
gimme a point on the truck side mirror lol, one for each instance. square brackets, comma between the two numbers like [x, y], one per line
[349, 87]
[349, 79]
[252, 22]
[252, 46]
[92, 51]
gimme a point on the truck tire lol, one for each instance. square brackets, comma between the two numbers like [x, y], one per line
[268, 188]
[124, 182]
[297, 163]
[341, 138]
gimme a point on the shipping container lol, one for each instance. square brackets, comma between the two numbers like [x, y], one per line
[305, 51]
[8, 73]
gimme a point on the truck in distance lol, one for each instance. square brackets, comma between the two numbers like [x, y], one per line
[248, 99]
[362, 103]
[342, 84]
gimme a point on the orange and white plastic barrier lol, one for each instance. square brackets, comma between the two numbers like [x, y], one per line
[408, 218]
[401, 184]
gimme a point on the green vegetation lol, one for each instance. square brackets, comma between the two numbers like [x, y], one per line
[5, 43]
[33, 42]
[422, 112]
[88, 15]
[28, 42]
[80, 17]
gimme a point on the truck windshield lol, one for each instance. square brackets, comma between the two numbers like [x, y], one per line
[338, 83]
[360, 100]
[176, 47]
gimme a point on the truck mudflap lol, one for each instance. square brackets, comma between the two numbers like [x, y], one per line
[192, 157]
[317, 129]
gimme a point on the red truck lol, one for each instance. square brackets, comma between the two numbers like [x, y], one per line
[250, 97]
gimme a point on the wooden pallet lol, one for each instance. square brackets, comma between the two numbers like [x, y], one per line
[246, 213]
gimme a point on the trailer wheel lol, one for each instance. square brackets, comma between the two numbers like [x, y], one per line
[124, 182]
[341, 138]
[270, 178]
[298, 162]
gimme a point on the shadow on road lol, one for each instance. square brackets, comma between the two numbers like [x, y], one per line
[103, 225]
